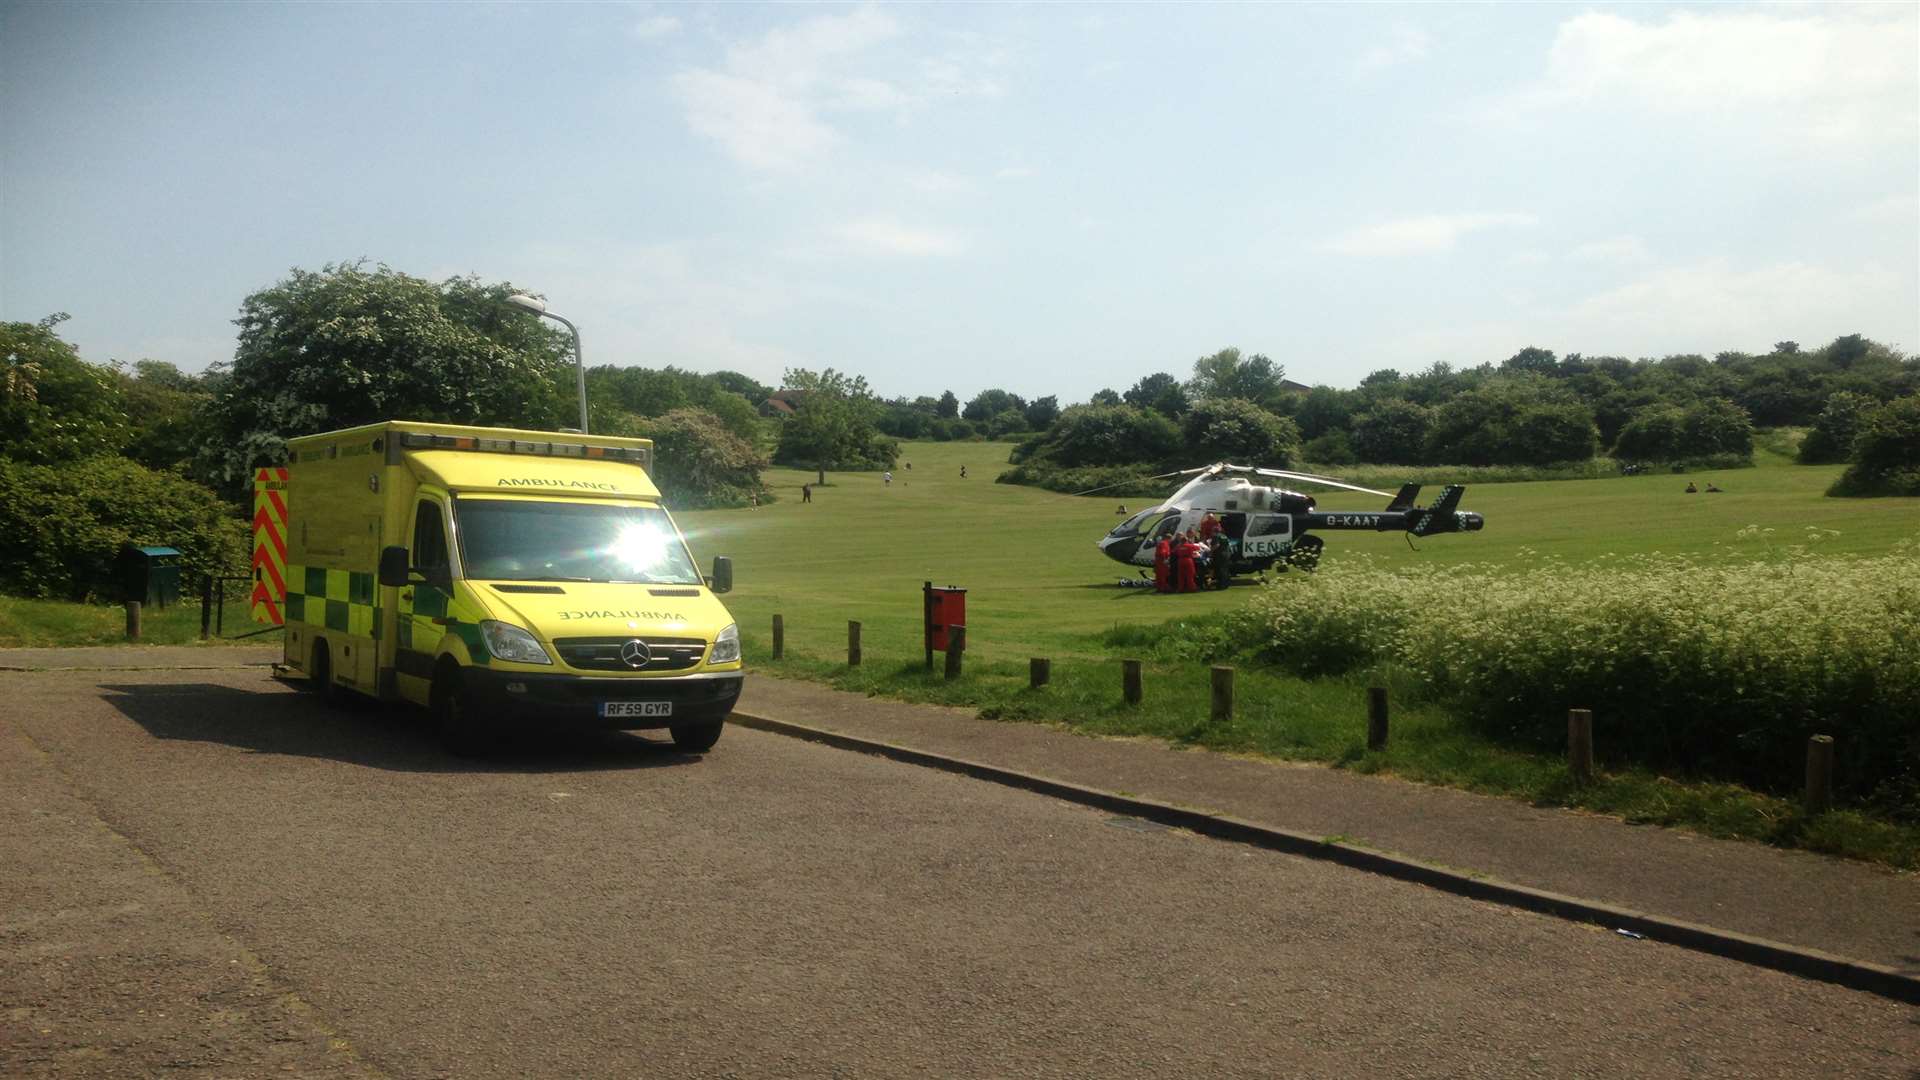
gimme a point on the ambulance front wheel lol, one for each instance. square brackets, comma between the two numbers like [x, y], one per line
[460, 729]
[697, 738]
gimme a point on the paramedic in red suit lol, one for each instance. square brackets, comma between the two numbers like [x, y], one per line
[1208, 526]
[1162, 572]
[1186, 549]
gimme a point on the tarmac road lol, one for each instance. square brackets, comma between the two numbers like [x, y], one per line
[203, 873]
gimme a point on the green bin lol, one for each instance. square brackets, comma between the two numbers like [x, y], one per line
[150, 575]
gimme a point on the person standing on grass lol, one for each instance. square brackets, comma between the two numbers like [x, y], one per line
[1162, 568]
[806, 492]
[963, 472]
[1220, 558]
[887, 477]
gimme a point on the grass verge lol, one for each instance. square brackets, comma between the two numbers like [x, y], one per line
[48, 624]
[1324, 721]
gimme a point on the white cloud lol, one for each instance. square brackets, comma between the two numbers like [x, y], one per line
[655, 26]
[1404, 42]
[1614, 249]
[660, 304]
[1892, 210]
[1701, 307]
[1716, 304]
[768, 102]
[886, 237]
[1423, 235]
[1012, 172]
[1823, 72]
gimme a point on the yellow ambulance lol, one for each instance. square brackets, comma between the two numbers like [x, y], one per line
[501, 578]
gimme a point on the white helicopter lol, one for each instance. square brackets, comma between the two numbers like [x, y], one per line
[1265, 524]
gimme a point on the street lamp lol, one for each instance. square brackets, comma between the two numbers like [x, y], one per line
[539, 307]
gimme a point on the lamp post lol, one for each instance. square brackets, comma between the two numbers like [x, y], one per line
[539, 307]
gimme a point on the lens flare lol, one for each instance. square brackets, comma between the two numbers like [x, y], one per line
[640, 547]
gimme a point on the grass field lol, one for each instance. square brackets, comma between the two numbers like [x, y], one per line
[1038, 587]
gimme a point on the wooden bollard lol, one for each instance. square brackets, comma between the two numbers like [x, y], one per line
[1130, 681]
[956, 648]
[1580, 744]
[133, 620]
[1039, 672]
[206, 609]
[1819, 774]
[1376, 718]
[779, 637]
[853, 643]
[1222, 693]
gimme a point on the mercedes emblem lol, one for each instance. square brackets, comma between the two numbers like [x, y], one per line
[635, 654]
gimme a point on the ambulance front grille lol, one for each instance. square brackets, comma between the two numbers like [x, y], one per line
[603, 653]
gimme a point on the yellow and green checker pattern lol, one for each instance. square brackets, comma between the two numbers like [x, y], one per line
[341, 600]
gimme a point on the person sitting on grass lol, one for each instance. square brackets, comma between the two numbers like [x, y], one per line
[1711, 489]
[1691, 490]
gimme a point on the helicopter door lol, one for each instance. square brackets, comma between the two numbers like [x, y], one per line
[1268, 536]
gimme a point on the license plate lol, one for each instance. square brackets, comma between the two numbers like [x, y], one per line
[636, 708]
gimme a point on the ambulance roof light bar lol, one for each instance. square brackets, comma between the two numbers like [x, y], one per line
[418, 440]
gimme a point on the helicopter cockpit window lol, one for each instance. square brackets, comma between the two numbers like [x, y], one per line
[1155, 522]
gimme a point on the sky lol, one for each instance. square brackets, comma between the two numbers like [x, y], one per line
[1050, 199]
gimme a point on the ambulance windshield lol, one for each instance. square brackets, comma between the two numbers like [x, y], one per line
[519, 540]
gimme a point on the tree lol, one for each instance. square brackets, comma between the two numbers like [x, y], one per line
[1653, 434]
[991, 403]
[833, 426]
[1233, 429]
[1539, 361]
[1512, 421]
[1104, 396]
[55, 406]
[1226, 374]
[1160, 392]
[949, 406]
[347, 345]
[1831, 439]
[164, 408]
[1042, 412]
[1393, 431]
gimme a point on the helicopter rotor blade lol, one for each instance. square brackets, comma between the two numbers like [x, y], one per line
[1124, 483]
[1310, 478]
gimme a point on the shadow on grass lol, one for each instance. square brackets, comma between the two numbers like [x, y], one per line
[364, 732]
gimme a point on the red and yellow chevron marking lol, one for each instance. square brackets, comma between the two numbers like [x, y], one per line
[269, 547]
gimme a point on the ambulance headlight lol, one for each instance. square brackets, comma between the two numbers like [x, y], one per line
[508, 642]
[726, 647]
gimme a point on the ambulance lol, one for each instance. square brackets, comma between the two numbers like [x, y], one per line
[502, 579]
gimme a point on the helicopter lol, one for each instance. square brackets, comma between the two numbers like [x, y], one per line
[1267, 525]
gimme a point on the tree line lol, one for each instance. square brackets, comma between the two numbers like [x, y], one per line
[352, 344]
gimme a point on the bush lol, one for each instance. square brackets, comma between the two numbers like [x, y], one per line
[1512, 421]
[1393, 430]
[1093, 435]
[699, 463]
[1831, 439]
[62, 527]
[1229, 429]
[1886, 452]
[1722, 668]
[1333, 448]
[1119, 481]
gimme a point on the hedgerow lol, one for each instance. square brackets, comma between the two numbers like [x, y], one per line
[1717, 667]
[62, 527]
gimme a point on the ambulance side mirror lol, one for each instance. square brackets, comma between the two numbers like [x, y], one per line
[393, 565]
[722, 580]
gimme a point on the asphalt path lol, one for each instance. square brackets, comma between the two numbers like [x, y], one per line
[203, 873]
